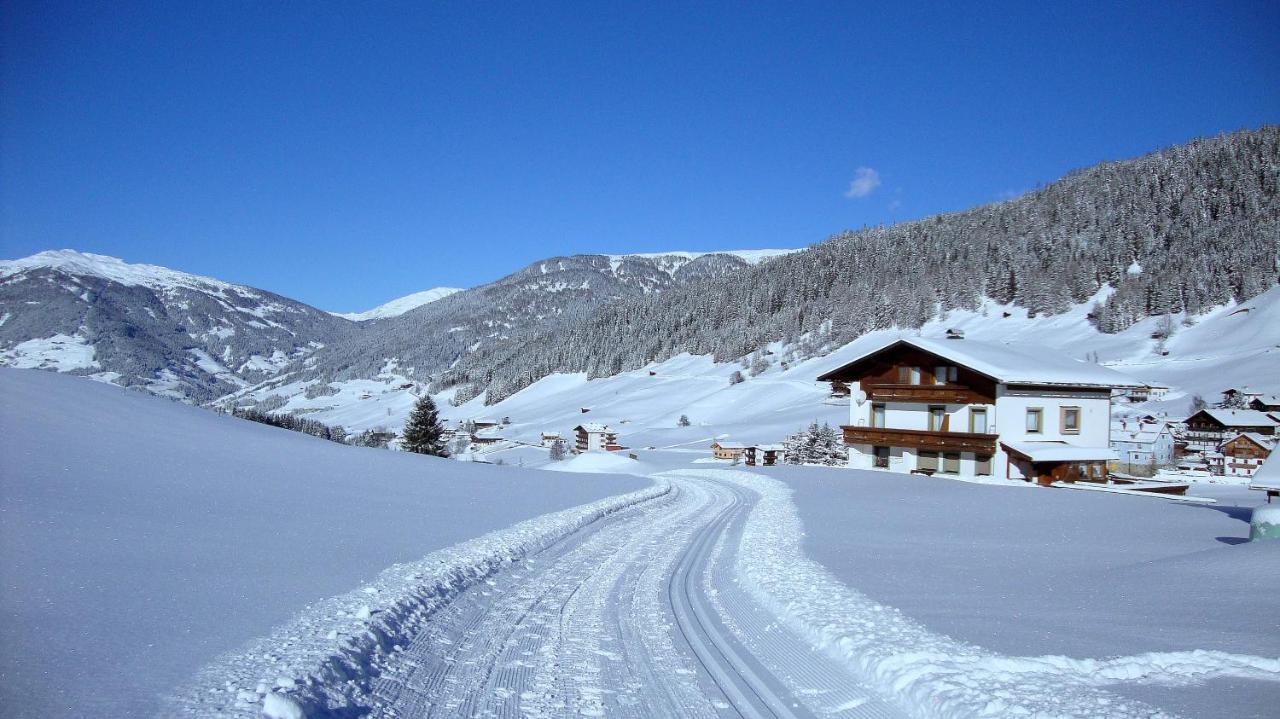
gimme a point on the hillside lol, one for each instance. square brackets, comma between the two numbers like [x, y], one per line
[165, 535]
[421, 343]
[400, 305]
[1183, 230]
[170, 332]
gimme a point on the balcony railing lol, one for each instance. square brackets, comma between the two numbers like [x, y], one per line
[936, 393]
[921, 439]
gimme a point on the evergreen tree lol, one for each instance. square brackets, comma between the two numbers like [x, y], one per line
[558, 450]
[735, 378]
[1197, 403]
[423, 433]
[684, 421]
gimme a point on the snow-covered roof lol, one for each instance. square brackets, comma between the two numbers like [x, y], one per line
[730, 445]
[1059, 452]
[592, 427]
[1009, 364]
[1261, 440]
[770, 447]
[1240, 417]
[1268, 475]
[1269, 399]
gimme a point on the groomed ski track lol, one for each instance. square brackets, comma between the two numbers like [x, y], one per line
[635, 615]
[693, 598]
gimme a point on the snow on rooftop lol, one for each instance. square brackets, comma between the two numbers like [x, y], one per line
[1241, 417]
[592, 427]
[1013, 364]
[1059, 452]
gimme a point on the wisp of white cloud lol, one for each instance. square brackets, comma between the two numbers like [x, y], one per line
[865, 180]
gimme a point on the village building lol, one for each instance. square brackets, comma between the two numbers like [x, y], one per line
[1243, 454]
[1140, 442]
[960, 407]
[595, 437]
[550, 438]
[1143, 393]
[1238, 396]
[1207, 429]
[1265, 403]
[764, 455]
[728, 450]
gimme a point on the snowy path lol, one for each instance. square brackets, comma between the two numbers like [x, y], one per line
[635, 615]
[691, 599]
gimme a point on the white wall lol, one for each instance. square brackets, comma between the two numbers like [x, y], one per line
[1007, 418]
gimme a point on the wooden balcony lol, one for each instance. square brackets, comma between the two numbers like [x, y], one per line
[920, 439]
[924, 393]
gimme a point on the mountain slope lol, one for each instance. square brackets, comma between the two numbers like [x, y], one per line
[170, 332]
[427, 340]
[400, 305]
[1178, 231]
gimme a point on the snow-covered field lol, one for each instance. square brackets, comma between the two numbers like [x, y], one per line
[141, 538]
[1031, 572]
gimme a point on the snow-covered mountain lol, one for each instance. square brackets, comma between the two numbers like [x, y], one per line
[173, 333]
[400, 305]
[535, 299]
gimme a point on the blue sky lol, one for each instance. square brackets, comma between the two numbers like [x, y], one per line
[348, 153]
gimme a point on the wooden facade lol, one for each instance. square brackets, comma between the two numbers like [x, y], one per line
[910, 375]
[943, 441]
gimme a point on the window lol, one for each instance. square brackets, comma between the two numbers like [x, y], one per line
[1071, 420]
[982, 465]
[904, 375]
[1035, 420]
[914, 375]
[928, 460]
[877, 415]
[951, 463]
[937, 418]
[978, 420]
[953, 374]
[882, 456]
[942, 374]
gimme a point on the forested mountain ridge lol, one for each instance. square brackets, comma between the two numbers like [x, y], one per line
[429, 339]
[1180, 230]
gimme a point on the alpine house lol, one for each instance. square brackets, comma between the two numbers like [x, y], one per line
[959, 407]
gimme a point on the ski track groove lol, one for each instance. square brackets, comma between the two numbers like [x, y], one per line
[618, 619]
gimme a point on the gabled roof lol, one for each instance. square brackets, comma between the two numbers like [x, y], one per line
[592, 427]
[1262, 441]
[730, 445]
[1269, 399]
[1007, 364]
[1238, 417]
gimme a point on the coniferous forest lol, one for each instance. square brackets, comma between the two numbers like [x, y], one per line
[1180, 230]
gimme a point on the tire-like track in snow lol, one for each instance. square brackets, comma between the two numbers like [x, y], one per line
[638, 614]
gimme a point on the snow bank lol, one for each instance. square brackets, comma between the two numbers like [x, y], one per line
[601, 463]
[324, 662]
[142, 538]
[933, 674]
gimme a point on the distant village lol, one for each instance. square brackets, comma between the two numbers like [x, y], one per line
[983, 411]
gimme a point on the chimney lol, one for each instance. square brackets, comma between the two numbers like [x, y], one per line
[955, 334]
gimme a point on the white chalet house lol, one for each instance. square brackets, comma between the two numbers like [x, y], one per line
[960, 407]
[1141, 443]
[595, 437]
